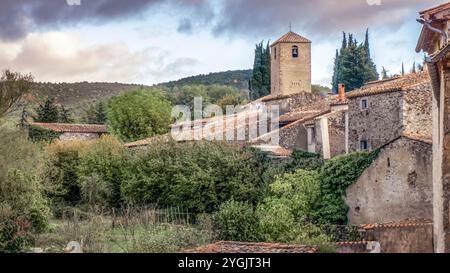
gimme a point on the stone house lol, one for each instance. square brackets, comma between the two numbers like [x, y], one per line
[381, 111]
[396, 186]
[68, 132]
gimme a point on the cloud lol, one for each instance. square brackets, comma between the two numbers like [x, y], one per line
[185, 26]
[318, 16]
[225, 17]
[60, 57]
[18, 18]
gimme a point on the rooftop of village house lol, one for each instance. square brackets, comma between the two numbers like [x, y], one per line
[395, 84]
[243, 247]
[71, 128]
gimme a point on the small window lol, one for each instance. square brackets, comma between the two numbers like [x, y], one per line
[364, 145]
[364, 104]
[295, 52]
[275, 53]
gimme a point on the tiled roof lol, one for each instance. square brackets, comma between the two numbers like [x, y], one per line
[426, 138]
[436, 9]
[243, 247]
[148, 141]
[291, 37]
[72, 128]
[404, 223]
[305, 113]
[275, 150]
[390, 85]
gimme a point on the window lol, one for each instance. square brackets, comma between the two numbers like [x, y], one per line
[364, 145]
[295, 52]
[364, 104]
[275, 53]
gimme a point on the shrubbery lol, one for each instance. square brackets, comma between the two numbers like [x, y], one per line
[336, 176]
[24, 210]
[139, 114]
[198, 176]
[237, 221]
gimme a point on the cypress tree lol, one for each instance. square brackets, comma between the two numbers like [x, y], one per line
[260, 82]
[256, 81]
[336, 72]
[353, 64]
[413, 70]
[403, 69]
[48, 112]
[384, 75]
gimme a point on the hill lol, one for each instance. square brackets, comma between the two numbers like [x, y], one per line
[235, 78]
[76, 94]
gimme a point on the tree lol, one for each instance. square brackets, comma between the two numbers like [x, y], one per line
[403, 69]
[139, 114]
[260, 81]
[413, 70]
[64, 115]
[353, 64]
[95, 114]
[13, 86]
[48, 112]
[384, 74]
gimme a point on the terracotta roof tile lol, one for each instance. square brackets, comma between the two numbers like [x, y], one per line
[275, 150]
[72, 128]
[390, 85]
[243, 247]
[291, 37]
[426, 138]
[436, 9]
[401, 224]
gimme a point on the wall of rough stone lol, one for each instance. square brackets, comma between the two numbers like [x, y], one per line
[291, 102]
[294, 136]
[416, 108]
[379, 124]
[336, 134]
[403, 238]
[78, 136]
[395, 187]
[291, 75]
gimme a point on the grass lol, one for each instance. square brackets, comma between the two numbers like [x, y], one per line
[103, 234]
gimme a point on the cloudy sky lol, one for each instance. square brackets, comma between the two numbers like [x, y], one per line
[151, 41]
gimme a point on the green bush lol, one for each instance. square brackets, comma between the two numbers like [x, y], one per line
[198, 176]
[336, 176]
[304, 160]
[61, 170]
[139, 114]
[299, 191]
[101, 170]
[24, 210]
[276, 221]
[236, 221]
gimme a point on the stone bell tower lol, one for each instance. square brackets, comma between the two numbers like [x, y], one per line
[290, 65]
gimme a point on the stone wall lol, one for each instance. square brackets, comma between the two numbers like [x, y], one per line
[78, 136]
[294, 136]
[336, 133]
[379, 124]
[395, 187]
[290, 75]
[290, 102]
[416, 108]
[403, 238]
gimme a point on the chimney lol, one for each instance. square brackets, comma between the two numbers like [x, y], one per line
[341, 95]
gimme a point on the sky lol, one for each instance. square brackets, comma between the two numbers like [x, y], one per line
[152, 41]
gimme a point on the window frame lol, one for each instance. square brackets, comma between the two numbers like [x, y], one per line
[361, 103]
[296, 50]
[361, 145]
